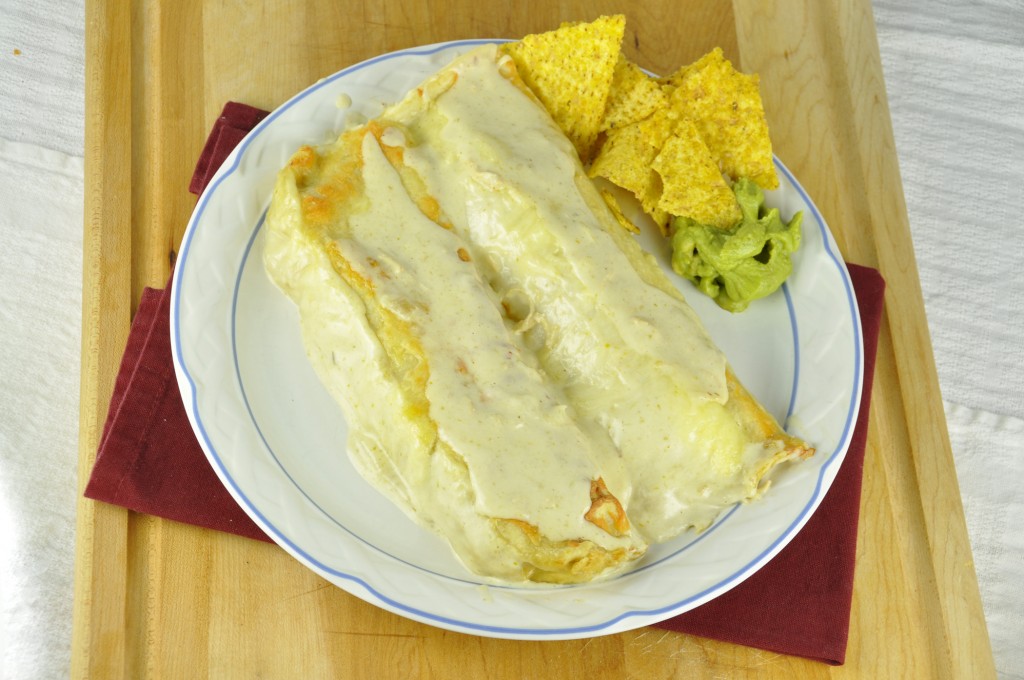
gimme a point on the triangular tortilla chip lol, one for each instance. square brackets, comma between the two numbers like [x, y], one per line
[634, 96]
[692, 185]
[625, 160]
[620, 217]
[570, 70]
[726, 107]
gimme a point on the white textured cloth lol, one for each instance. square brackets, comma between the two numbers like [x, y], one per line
[40, 331]
[989, 450]
[42, 73]
[42, 76]
[955, 79]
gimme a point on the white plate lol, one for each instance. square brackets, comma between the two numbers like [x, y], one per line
[276, 439]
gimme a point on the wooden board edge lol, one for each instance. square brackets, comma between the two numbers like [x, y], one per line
[98, 644]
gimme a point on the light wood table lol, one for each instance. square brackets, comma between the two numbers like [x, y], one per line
[159, 599]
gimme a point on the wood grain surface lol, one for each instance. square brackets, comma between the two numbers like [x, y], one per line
[156, 599]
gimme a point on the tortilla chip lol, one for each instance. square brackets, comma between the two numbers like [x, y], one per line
[613, 205]
[625, 160]
[627, 153]
[570, 70]
[692, 185]
[634, 95]
[669, 83]
[726, 107]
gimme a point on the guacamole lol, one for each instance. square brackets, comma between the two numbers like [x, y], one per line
[743, 263]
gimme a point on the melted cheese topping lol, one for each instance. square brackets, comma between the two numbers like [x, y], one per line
[490, 402]
[557, 353]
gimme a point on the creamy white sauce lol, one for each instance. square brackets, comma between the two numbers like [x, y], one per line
[633, 360]
[431, 486]
[528, 458]
[595, 373]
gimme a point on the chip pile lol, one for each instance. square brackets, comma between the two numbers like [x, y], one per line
[677, 144]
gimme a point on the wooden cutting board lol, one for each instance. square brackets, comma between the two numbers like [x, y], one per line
[159, 599]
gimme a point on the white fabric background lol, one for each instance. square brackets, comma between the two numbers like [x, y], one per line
[40, 307]
[41, 149]
[955, 78]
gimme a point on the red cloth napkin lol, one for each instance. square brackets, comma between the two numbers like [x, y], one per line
[234, 123]
[150, 461]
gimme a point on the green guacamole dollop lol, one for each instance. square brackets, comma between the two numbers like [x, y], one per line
[738, 265]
